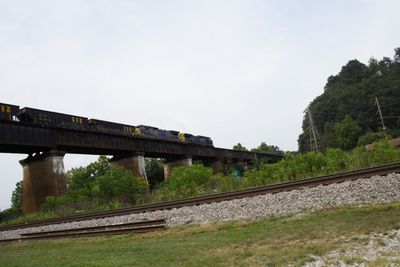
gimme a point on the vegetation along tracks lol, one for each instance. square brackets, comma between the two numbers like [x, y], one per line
[287, 186]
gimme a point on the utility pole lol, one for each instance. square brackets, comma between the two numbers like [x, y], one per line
[314, 136]
[380, 113]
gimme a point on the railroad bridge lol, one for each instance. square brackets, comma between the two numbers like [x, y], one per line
[43, 169]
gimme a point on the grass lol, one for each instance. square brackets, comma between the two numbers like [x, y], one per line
[269, 242]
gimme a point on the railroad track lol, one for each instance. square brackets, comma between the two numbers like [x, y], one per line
[115, 229]
[321, 180]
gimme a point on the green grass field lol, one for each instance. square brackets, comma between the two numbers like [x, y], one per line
[272, 242]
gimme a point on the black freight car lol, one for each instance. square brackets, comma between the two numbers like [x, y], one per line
[7, 111]
[52, 119]
[111, 127]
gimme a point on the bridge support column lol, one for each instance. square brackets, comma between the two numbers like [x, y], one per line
[169, 165]
[43, 176]
[217, 165]
[133, 162]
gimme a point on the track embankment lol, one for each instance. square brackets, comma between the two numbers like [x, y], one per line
[382, 186]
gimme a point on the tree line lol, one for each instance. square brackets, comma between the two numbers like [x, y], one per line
[345, 114]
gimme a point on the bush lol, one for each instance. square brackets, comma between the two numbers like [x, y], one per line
[185, 182]
[298, 166]
[371, 137]
[102, 186]
[382, 153]
[99, 186]
[119, 184]
[9, 214]
[292, 167]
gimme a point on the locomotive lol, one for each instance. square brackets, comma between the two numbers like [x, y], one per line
[51, 119]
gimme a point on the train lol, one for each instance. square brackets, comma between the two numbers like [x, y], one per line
[51, 119]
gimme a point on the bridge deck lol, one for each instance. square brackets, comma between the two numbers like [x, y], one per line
[16, 137]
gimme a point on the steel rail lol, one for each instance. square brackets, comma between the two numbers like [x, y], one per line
[103, 227]
[287, 186]
[82, 233]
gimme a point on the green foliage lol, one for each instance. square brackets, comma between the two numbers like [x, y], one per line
[370, 137]
[81, 179]
[98, 186]
[292, 167]
[119, 184]
[111, 187]
[347, 133]
[328, 139]
[193, 181]
[186, 182]
[398, 123]
[16, 205]
[352, 93]
[154, 171]
[382, 153]
[263, 147]
[239, 147]
[17, 196]
[336, 160]
[298, 166]
[10, 214]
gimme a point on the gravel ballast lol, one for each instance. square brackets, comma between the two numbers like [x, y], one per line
[374, 190]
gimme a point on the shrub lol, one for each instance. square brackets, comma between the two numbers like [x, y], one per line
[382, 153]
[119, 184]
[9, 214]
[371, 137]
[186, 182]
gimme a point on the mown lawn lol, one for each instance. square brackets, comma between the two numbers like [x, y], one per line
[272, 242]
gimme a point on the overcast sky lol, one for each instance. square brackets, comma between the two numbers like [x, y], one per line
[237, 71]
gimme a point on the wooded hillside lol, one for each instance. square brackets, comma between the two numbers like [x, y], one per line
[346, 110]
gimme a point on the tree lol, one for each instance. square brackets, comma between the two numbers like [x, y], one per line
[187, 181]
[82, 179]
[370, 137]
[263, 147]
[239, 147]
[17, 196]
[154, 171]
[347, 133]
[398, 123]
[119, 184]
[352, 92]
[397, 54]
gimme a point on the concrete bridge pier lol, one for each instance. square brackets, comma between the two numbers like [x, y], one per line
[217, 165]
[43, 176]
[170, 164]
[133, 162]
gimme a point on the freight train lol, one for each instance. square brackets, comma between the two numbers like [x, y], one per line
[46, 118]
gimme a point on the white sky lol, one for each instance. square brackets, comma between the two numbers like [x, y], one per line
[237, 71]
